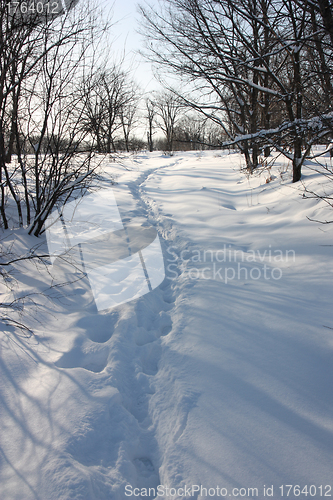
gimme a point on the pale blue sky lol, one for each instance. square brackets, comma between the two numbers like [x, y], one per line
[125, 18]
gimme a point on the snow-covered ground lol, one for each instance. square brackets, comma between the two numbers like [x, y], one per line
[217, 383]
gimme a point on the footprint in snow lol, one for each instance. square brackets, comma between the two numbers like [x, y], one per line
[163, 323]
[99, 327]
[150, 355]
[147, 476]
[93, 360]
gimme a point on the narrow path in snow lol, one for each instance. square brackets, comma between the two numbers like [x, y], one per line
[134, 350]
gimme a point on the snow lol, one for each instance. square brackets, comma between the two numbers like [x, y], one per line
[220, 377]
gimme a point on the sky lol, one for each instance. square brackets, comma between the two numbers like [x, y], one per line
[126, 38]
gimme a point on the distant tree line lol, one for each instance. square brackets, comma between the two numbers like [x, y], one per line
[183, 127]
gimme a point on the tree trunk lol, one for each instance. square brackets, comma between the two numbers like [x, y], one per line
[297, 159]
[327, 15]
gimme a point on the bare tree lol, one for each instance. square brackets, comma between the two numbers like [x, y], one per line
[206, 43]
[325, 8]
[42, 127]
[150, 109]
[168, 109]
[104, 98]
[190, 132]
[245, 63]
[128, 112]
